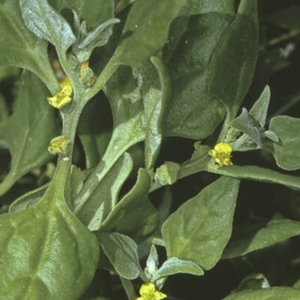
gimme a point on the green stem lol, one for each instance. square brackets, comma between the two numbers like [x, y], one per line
[128, 287]
[284, 37]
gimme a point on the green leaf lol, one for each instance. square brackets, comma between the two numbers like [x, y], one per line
[47, 24]
[275, 231]
[29, 129]
[288, 17]
[233, 62]
[156, 92]
[94, 12]
[194, 7]
[192, 111]
[134, 215]
[29, 199]
[286, 152]
[274, 293]
[167, 173]
[175, 265]
[246, 124]
[146, 30]
[192, 233]
[104, 197]
[259, 109]
[4, 114]
[121, 251]
[21, 48]
[45, 249]
[127, 108]
[94, 130]
[257, 173]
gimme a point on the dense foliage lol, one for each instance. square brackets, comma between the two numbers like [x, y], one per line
[149, 149]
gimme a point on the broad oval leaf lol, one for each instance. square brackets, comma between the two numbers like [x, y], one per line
[286, 152]
[274, 293]
[29, 129]
[46, 252]
[275, 231]
[200, 229]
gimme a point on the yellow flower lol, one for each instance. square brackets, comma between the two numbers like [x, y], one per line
[58, 145]
[61, 98]
[222, 154]
[149, 292]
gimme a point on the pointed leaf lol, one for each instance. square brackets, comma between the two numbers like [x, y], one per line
[200, 229]
[21, 48]
[47, 24]
[122, 253]
[260, 108]
[33, 120]
[275, 231]
[286, 152]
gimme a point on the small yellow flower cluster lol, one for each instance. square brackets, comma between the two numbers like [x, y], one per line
[58, 145]
[222, 154]
[62, 98]
[149, 292]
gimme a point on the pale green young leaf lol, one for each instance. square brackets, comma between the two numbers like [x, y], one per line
[21, 48]
[192, 111]
[286, 151]
[259, 109]
[45, 249]
[134, 215]
[29, 129]
[146, 30]
[104, 197]
[121, 250]
[175, 265]
[47, 24]
[233, 62]
[200, 229]
[194, 7]
[275, 231]
[273, 293]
